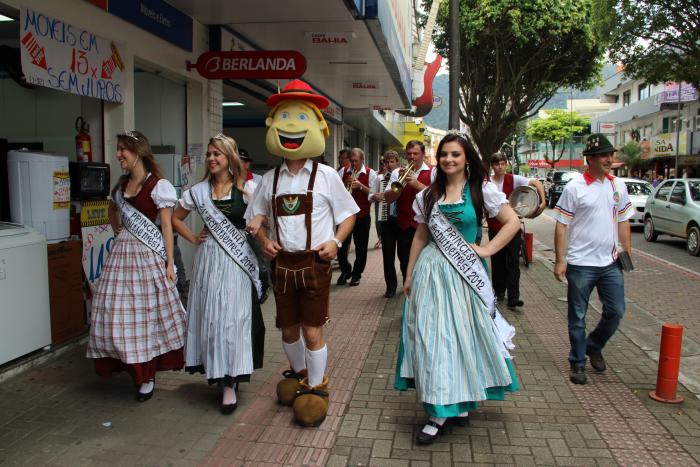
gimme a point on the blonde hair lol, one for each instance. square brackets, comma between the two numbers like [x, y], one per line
[228, 147]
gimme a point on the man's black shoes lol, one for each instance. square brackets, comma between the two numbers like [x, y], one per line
[515, 303]
[596, 360]
[577, 375]
[343, 279]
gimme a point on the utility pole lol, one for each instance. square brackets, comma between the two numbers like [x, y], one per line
[454, 64]
[678, 127]
[571, 124]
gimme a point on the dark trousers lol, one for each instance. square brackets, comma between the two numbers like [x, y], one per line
[359, 235]
[389, 236]
[506, 268]
[403, 247]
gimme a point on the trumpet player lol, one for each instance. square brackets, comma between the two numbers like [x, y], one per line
[412, 184]
[358, 182]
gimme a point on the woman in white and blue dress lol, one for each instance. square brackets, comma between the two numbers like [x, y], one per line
[450, 351]
[225, 331]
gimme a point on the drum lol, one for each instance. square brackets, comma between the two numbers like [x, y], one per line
[525, 201]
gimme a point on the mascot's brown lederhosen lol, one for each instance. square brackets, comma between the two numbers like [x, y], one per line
[301, 279]
[304, 243]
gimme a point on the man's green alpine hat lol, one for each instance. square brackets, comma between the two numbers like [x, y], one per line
[598, 143]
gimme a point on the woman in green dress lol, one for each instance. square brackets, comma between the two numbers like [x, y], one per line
[450, 350]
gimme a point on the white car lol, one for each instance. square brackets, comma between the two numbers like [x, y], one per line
[638, 190]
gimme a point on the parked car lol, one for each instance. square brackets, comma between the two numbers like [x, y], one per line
[559, 180]
[674, 209]
[639, 191]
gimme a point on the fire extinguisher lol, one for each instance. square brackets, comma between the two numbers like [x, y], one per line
[83, 142]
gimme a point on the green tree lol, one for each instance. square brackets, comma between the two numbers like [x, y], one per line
[631, 155]
[515, 54]
[555, 130]
[656, 40]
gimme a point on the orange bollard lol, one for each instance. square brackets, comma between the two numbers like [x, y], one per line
[669, 364]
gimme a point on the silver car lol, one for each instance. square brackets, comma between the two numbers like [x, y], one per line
[639, 191]
[674, 209]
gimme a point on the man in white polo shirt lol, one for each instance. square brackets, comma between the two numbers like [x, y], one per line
[595, 209]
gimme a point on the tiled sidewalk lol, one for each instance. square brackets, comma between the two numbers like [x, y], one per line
[59, 413]
[609, 421]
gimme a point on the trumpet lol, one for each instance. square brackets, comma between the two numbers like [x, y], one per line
[353, 176]
[399, 185]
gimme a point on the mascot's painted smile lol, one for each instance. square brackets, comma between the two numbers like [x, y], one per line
[291, 140]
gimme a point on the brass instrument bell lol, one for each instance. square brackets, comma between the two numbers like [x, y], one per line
[399, 185]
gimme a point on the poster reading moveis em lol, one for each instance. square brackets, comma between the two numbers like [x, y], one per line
[61, 56]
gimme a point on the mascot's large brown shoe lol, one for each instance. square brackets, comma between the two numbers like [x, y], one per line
[311, 404]
[288, 387]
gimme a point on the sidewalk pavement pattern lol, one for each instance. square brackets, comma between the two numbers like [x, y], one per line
[60, 413]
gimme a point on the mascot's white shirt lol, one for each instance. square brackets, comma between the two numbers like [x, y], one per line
[332, 205]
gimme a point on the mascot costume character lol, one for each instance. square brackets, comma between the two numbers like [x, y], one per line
[302, 202]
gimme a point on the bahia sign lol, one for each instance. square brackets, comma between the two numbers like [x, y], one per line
[275, 64]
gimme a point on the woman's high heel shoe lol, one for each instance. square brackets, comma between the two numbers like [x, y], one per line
[425, 438]
[143, 397]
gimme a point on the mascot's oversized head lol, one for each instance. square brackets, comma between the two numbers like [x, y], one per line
[296, 128]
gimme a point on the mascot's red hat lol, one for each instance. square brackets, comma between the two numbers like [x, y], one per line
[298, 90]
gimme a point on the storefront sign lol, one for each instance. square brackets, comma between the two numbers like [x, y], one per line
[97, 235]
[61, 56]
[155, 16]
[364, 84]
[607, 128]
[333, 112]
[563, 163]
[670, 94]
[270, 64]
[664, 144]
[329, 38]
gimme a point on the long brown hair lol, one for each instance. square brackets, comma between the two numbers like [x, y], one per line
[474, 170]
[228, 148]
[136, 142]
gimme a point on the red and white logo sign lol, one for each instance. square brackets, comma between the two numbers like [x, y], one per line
[329, 38]
[544, 164]
[277, 64]
[607, 127]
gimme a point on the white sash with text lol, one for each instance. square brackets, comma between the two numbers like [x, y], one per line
[461, 255]
[140, 226]
[232, 240]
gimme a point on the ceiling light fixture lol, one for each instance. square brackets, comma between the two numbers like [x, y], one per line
[232, 104]
[5, 18]
[348, 62]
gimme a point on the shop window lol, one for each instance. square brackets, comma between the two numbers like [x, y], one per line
[643, 91]
[626, 97]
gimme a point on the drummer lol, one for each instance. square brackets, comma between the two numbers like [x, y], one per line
[505, 265]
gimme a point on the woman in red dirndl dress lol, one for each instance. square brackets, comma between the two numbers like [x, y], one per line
[137, 322]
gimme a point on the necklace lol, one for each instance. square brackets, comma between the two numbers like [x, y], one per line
[218, 191]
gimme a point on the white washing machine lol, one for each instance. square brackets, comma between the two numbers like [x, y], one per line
[25, 319]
